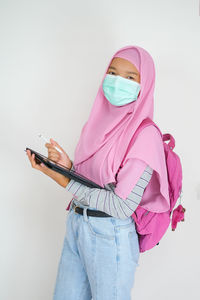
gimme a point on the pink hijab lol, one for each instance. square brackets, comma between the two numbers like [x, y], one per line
[105, 137]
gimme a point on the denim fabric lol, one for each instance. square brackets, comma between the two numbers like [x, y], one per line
[99, 258]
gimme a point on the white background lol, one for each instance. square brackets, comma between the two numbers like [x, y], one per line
[53, 55]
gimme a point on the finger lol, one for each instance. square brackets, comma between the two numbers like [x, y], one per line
[56, 144]
[29, 155]
[28, 152]
[30, 158]
[48, 145]
[33, 160]
[37, 166]
[34, 164]
[55, 159]
[54, 156]
[43, 168]
[53, 150]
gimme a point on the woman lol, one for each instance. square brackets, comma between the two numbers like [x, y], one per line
[101, 249]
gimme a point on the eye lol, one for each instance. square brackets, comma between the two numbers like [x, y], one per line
[111, 72]
[131, 78]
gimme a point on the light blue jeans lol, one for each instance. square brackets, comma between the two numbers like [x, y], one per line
[99, 258]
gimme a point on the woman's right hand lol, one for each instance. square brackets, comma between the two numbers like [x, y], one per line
[53, 154]
[40, 167]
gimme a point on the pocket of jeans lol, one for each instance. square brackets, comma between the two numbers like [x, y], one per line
[134, 246]
[101, 227]
[124, 223]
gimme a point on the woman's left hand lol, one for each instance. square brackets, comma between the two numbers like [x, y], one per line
[55, 155]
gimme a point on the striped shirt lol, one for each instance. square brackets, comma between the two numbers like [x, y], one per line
[106, 200]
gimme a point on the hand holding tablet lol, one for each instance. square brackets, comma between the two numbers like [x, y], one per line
[40, 159]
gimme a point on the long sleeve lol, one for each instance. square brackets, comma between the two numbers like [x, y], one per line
[106, 200]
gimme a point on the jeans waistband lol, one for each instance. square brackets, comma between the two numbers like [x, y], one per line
[81, 205]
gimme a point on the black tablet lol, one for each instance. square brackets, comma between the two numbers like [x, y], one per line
[72, 174]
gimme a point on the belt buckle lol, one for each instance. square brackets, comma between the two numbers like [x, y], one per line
[74, 208]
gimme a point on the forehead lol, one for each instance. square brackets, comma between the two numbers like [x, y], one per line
[122, 64]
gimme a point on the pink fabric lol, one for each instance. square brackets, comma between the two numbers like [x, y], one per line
[106, 135]
[178, 215]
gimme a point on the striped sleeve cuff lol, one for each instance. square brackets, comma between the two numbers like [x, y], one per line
[73, 186]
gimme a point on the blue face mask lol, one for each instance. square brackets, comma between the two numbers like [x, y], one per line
[119, 90]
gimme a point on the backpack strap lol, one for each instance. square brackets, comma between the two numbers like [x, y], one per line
[165, 137]
[146, 122]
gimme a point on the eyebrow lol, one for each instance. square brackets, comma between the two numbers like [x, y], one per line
[126, 71]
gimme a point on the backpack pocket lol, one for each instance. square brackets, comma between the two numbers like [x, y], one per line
[144, 218]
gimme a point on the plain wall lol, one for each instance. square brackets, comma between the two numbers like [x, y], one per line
[53, 55]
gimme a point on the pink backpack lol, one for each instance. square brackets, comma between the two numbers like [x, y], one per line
[151, 226]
